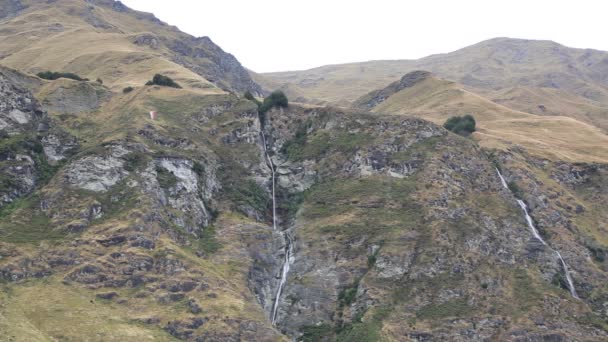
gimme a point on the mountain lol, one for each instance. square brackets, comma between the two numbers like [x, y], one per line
[105, 39]
[424, 95]
[218, 220]
[493, 64]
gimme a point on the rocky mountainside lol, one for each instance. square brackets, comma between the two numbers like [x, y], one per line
[106, 39]
[216, 221]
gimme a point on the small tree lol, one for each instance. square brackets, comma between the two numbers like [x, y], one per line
[462, 125]
[164, 81]
[276, 99]
[127, 90]
[100, 81]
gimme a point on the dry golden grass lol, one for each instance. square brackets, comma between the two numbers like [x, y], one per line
[553, 137]
[56, 37]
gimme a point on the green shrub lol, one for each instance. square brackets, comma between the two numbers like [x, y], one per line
[127, 90]
[100, 81]
[166, 179]
[276, 99]
[51, 75]
[198, 168]
[462, 125]
[515, 189]
[164, 81]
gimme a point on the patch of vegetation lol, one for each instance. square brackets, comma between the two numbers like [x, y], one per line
[207, 240]
[249, 96]
[198, 168]
[525, 294]
[276, 99]
[380, 204]
[23, 222]
[288, 204]
[452, 308]
[599, 253]
[250, 194]
[52, 75]
[367, 331]
[348, 295]
[462, 125]
[135, 160]
[164, 81]
[120, 199]
[371, 259]
[593, 320]
[316, 333]
[165, 178]
[515, 189]
[127, 90]
[307, 146]
[493, 158]
[99, 80]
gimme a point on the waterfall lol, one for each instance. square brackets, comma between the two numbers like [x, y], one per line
[284, 273]
[286, 237]
[271, 166]
[524, 207]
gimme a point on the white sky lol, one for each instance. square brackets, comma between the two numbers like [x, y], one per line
[278, 35]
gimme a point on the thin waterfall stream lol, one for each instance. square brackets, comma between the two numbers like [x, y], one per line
[286, 237]
[524, 207]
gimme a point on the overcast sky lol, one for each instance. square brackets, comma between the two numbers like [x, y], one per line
[278, 35]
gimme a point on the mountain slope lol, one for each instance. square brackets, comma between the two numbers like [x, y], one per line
[492, 64]
[431, 98]
[105, 39]
[200, 224]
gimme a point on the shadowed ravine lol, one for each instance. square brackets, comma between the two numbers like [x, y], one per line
[524, 207]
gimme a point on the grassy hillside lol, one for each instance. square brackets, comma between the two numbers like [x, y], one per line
[105, 39]
[554, 137]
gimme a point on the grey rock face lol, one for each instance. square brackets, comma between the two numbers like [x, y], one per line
[224, 70]
[98, 173]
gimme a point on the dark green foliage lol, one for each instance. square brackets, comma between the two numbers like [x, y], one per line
[249, 193]
[463, 125]
[127, 90]
[316, 333]
[515, 189]
[348, 295]
[288, 203]
[51, 75]
[359, 331]
[198, 168]
[371, 260]
[164, 81]
[599, 254]
[293, 147]
[134, 161]
[165, 178]
[207, 240]
[249, 96]
[276, 99]
[100, 81]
